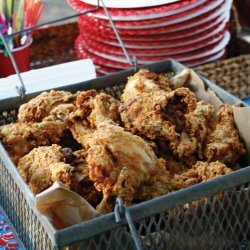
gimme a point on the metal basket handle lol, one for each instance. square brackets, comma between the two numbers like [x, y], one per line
[20, 90]
[121, 211]
[133, 61]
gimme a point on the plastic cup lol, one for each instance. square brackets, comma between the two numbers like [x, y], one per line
[22, 57]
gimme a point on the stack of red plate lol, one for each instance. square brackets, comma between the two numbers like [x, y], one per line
[191, 31]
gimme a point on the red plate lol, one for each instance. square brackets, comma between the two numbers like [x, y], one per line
[96, 47]
[199, 30]
[152, 45]
[200, 53]
[118, 14]
[88, 25]
[204, 8]
[104, 66]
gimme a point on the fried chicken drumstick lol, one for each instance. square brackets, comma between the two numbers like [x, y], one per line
[118, 161]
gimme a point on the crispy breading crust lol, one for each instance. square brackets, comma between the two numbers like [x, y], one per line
[201, 171]
[223, 143]
[41, 106]
[45, 165]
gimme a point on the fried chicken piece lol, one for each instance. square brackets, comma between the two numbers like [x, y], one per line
[210, 170]
[145, 81]
[158, 114]
[92, 108]
[187, 178]
[98, 107]
[173, 165]
[84, 186]
[189, 146]
[45, 165]
[157, 185]
[223, 143]
[119, 162]
[39, 107]
[200, 172]
[20, 138]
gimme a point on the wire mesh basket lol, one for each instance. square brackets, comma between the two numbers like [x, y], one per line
[210, 215]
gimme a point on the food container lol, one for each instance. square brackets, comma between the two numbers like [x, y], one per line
[218, 219]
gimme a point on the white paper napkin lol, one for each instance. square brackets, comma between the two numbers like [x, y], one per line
[49, 77]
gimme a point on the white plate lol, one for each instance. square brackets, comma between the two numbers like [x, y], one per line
[130, 3]
[220, 46]
[102, 15]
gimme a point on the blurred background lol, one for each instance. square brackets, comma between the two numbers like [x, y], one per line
[56, 9]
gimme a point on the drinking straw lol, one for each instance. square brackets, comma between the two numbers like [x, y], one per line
[19, 16]
[9, 7]
[28, 14]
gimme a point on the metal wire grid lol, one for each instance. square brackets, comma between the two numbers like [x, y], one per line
[26, 223]
[219, 221]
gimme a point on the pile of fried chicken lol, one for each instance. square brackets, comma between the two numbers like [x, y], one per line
[157, 139]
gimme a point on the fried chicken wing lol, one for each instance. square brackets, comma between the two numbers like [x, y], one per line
[223, 143]
[45, 165]
[39, 107]
[201, 171]
[158, 114]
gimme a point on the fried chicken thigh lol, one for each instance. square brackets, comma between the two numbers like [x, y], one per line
[41, 106]
[223, 143]
[158, 114]
[146, 81]
[45, 165]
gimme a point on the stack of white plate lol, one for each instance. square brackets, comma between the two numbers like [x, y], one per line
[191, 31]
